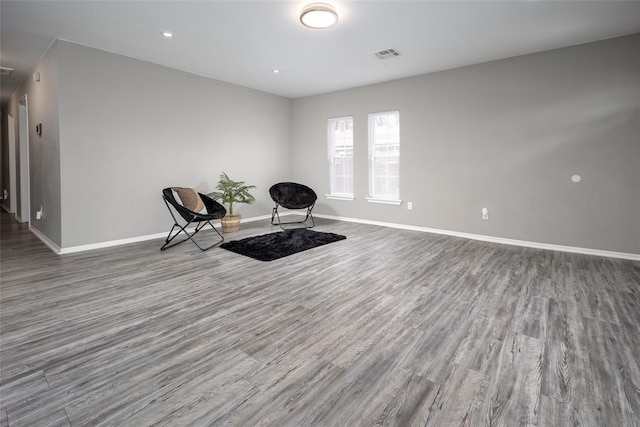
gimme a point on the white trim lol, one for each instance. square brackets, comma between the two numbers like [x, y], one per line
[547, 246]
[258, 218]
[110, 243]
[24, 143]
[372, 143]
[55, 248]
[331, 147]
[492, 239]
[302, 211]
[383, 201]
[13, 169]
[339, 197]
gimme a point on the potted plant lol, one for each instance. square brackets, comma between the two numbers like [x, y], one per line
[230, 192]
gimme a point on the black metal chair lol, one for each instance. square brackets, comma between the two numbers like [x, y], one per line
[291, 195]
[214, 211]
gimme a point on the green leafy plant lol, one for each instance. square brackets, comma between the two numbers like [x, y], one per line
[230, 192]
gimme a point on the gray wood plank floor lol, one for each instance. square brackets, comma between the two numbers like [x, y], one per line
[388, 327]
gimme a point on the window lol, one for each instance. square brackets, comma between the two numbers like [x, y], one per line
[340, 136]
[384, 157]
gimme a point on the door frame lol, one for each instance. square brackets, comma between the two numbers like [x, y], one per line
[13, 176]
[23, 135]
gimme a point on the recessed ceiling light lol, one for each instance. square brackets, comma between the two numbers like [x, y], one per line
[275, 71]
[318, 15]
[167, 34]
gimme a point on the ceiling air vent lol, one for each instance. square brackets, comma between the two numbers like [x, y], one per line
[4, 71]
[387, 53]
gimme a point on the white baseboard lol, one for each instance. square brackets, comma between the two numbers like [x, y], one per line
[108, 244]
[537, 245]
[55, 248]
[502, 240]
[257, 218]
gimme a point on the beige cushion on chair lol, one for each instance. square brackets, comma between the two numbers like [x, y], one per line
[190, 199]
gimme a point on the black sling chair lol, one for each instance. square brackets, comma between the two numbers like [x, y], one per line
[291, 195]
[214, 211]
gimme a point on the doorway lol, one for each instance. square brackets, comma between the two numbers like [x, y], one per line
[12, 192]
[23, 214]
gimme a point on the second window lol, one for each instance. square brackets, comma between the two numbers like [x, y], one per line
[384, 156]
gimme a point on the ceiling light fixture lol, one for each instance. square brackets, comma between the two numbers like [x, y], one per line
[167, 34]
[275, 71]
[318, 15]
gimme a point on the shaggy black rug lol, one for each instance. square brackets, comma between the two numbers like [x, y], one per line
[281, 244]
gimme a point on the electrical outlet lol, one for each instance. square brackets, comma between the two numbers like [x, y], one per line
[485, 213]
[409, 205]
[39, 213]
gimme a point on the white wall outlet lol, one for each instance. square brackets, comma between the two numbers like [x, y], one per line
[5, 194]
[485, 213]
[409, 205]
[39, 213]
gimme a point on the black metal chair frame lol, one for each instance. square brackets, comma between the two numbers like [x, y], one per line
[275, 213]
[214, 211]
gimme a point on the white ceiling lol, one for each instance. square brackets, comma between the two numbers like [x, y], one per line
[243, 41]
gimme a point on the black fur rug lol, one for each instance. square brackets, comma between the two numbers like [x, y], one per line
[281, 244]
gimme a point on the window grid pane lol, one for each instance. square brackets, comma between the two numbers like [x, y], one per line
[340, 136]
[384, 152]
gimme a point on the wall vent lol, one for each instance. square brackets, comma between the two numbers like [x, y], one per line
[387, 53]
[4, 71]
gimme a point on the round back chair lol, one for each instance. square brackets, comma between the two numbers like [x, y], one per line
[291, 195]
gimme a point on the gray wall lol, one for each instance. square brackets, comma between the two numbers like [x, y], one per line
[44, 150]
[129, 128]
[506, 135]
[44, 157]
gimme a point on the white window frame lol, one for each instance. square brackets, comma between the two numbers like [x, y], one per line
[375, 196]
[334, 156]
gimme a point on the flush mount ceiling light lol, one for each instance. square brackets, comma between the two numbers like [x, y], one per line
[167, 34]
[318, 15]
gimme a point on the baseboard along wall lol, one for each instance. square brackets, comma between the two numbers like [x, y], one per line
[501, 240]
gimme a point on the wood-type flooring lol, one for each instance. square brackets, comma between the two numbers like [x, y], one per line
[388, 327]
